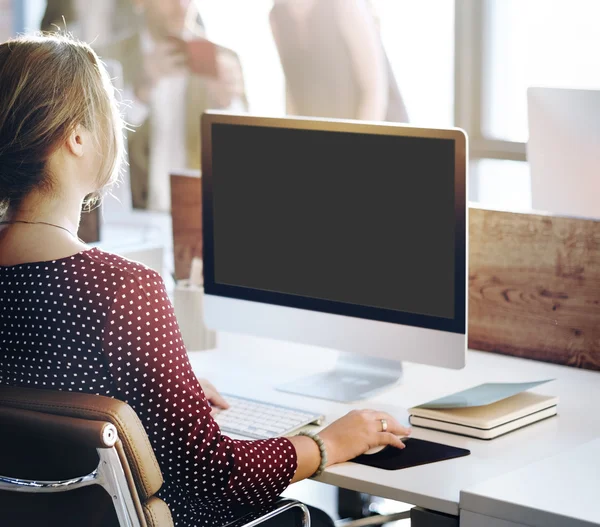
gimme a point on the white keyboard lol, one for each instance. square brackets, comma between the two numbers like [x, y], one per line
[261, 420]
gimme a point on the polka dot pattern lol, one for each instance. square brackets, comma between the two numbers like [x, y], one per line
[98, 323]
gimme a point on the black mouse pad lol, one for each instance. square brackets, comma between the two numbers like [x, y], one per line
[417, 452]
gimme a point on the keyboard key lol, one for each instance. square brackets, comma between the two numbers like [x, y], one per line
[261, 420]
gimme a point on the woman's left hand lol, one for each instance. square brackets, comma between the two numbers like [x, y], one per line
[212, 395]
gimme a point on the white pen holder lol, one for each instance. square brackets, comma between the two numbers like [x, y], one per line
[189, 310]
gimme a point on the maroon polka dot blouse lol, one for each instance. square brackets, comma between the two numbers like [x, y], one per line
[98, 323]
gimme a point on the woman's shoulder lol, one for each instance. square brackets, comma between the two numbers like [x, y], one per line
[117, 265]
[130, 286]
[118, 270]
[122, 279]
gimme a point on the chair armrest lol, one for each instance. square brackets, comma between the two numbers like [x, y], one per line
[271, 511]
[93, 434]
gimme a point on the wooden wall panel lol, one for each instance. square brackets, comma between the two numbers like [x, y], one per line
[534, 287]
[534, 280]
[186, 211]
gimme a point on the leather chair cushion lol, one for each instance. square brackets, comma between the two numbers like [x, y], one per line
[143, 462]
[57, 427]
[157, 513]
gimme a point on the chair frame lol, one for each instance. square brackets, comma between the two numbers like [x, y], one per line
[271, 511]
[108, 474]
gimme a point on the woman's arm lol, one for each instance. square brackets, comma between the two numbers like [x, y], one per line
[151, 371]
[308, 456]
[362, 38]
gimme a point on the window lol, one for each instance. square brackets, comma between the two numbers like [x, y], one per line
[421, 51]
[503, 183]
[466, 63]
[503, 47]
[536, 43]
[32, 13]
[244, 27]
[411, 37]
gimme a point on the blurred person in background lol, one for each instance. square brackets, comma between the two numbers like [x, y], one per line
[167, 86]
[334, 61]
[89, 21]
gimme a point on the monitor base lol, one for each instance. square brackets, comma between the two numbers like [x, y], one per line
[354, 378]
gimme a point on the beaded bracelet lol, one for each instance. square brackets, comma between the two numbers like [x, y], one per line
[322, 450]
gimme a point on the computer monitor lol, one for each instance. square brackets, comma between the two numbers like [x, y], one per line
[564, 150]
[340, 234]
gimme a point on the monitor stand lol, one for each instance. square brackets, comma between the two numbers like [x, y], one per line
[354, 377]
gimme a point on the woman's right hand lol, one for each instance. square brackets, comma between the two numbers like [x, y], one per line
[359, 431]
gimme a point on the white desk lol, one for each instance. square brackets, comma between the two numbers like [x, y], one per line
[252, 367]
[559, 491]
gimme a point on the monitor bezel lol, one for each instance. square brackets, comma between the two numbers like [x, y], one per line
[453, 325]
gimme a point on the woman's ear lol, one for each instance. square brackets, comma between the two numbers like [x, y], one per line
[75, 141]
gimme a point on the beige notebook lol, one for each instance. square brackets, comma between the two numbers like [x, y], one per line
[488, 421]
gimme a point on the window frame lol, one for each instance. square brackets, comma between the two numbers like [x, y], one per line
[471, 73]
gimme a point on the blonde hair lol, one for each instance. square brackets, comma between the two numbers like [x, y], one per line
[50, 84]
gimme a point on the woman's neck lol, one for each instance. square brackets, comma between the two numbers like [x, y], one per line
[62, 209]
[39, 232]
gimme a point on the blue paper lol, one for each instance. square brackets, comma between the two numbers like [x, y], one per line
[482, 395]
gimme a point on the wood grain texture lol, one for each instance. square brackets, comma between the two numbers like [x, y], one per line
[534, 287]
[534, 280]
[186, 210]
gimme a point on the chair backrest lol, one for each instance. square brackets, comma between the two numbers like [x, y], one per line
[53, 441]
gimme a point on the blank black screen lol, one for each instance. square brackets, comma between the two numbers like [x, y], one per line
[355, 218]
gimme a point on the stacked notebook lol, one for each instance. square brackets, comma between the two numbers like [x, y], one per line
[486, 411]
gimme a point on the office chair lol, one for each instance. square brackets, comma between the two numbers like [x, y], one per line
[80, 459]
[355, 509]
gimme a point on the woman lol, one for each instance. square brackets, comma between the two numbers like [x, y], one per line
[334, 62]
[80, 319]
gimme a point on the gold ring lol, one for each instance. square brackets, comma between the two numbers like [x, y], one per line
[384, 425]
